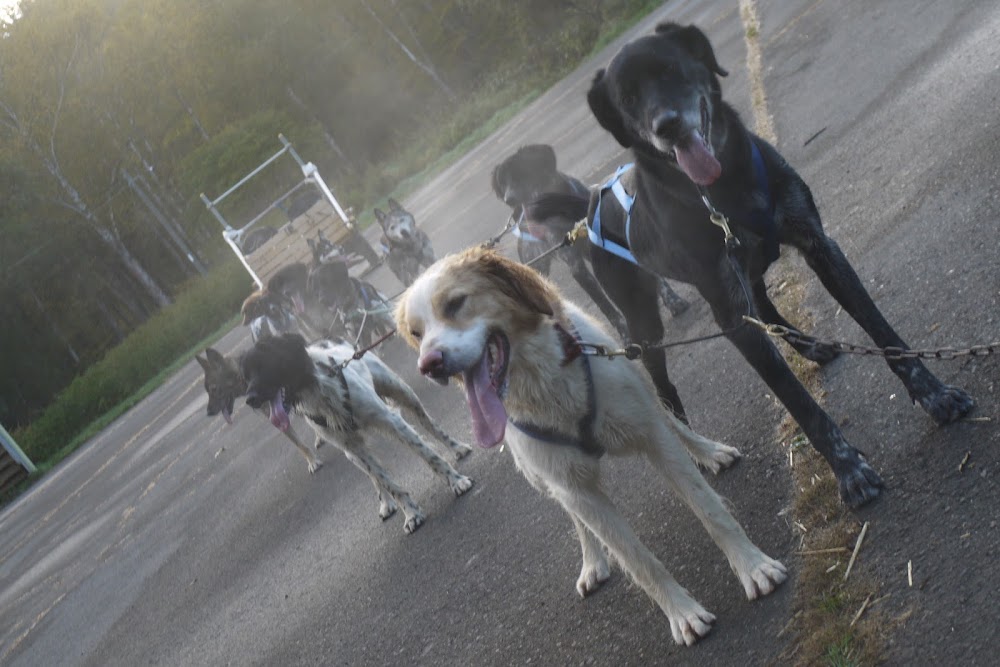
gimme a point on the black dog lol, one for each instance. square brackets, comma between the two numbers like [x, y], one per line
[660, 96]
[531, 172]
[408, 248]
[520, 179]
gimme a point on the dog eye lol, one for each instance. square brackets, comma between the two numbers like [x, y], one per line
[454, 305]
[416, 334]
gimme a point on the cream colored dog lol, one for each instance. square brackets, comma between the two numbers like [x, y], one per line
[514, 343]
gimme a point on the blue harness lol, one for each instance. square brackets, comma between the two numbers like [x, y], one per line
[760, 222]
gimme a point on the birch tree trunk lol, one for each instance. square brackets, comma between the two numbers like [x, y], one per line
[427, 67]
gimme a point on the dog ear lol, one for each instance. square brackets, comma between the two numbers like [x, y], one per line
[694, 42]
[402, 328]
[205, 364]
[393, 204]
[495, 181]
[214, 357]
[380, 216]
[521, 283]
[605, 111]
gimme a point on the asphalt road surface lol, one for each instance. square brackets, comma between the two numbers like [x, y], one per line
[174, 539]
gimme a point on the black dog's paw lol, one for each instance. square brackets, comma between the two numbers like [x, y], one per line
[947, 404]
[821, 354]
[859, 484]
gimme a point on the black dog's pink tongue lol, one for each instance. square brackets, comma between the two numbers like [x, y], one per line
[278, 415]
[489, 417]
[697, 162]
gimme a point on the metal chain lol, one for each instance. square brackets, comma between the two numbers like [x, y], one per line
[794, 337]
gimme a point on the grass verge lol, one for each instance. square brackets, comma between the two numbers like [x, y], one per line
[836, 621]
[205, 311]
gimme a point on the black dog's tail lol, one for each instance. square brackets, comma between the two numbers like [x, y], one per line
[553, 204]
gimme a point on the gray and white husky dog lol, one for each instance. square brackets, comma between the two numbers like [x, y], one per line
[408, 248]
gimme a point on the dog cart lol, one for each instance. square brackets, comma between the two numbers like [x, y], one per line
[314, 216]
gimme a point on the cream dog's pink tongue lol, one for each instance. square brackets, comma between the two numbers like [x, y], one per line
[697, 162]
[489, 417]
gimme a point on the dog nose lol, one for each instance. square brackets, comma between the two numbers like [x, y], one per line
[431, 363]
[667, 123]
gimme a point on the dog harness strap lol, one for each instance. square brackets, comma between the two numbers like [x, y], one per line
[594, 231]
[586, 440]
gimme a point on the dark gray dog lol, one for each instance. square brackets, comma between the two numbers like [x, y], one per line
[409, 248]
[524, 176]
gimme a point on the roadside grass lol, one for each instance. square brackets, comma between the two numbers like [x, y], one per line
[833, 622]
[825, 624]
[203, 312]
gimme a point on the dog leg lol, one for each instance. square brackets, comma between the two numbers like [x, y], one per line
[759, 574]
[357, 453]
[595, 570]
[688, 620]
[386, 505]
[581, 273]
[943, 402]
[392, 424]
[634, 291]
[769, 313]
[312, 461]
[858, 481]
[674, 302]
[391, 386]
[707, 453]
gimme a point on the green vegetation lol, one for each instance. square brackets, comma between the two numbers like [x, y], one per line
[133, 369]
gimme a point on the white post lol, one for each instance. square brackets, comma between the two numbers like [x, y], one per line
[15, 452]
[229, 235]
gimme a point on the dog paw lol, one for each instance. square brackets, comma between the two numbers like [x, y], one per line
[721, 458]
[314, 465]
[859, 483]
[691, 624]
[412, 523]
[386, 509]
[591, 577]
[947, 404]
[460, 484]
[764, 577]
[822, 355]
[461, 450]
